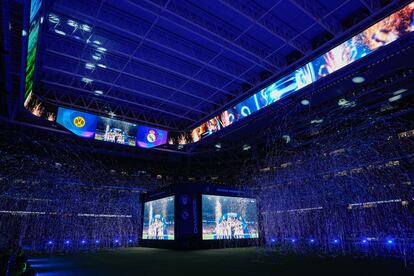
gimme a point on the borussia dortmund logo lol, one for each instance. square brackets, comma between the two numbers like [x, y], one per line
[79, 121]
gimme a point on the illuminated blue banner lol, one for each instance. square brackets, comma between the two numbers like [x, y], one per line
[80, 123]
[149, 137]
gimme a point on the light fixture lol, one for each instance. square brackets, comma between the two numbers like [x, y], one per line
[89, 66]
[317, 121]
[246, 147]
[218, 145]
[111, 114]
[60, 32]
[286, 138]
[73, 23]
[344, 103]
[53, 18]
[85, 28]
[97, 57]
[98, 92]
[101, 65]
[399, 91]
[87, 80]
[358, 79]
[395, 98]
[24, 33]
[304, 102]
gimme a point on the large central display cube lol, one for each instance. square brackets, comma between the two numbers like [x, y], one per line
[191, 216]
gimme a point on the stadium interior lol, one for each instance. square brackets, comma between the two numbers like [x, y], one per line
[209, 137]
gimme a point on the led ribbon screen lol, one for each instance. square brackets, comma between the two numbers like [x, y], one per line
[380, 34]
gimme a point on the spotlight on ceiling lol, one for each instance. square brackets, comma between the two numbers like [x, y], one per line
[399, 91]
[87, 80]
[395, 98]
[358, 79]
[246, 147]
[96, 57]
[304, 102]
[218, 145]
[89, 66]
[60, 32]
[98, 92]
[286, 138]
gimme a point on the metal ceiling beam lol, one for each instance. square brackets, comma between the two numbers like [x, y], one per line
[71, 88]
[221, 51]
[139, 45]
[107, 27]
[275, 26]
[250, 50]
[372, 5]
[61, 54]
[240, 35]
[122, 88]
[116, 53]
[319, 13]
[256, 87]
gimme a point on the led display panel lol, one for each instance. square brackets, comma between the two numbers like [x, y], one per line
[149, 137]
[227, 218]
[32, 45]
[80, 123]
[380, 34]
[159, 219]
[115, 131]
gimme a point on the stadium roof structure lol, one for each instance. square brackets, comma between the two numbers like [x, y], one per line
[175, 64]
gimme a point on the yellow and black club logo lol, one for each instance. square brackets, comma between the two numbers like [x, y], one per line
[79, 121]
[151, 136]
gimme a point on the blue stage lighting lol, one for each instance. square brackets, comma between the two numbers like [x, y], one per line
[311, 240]
[130, 241]
[83, 241]
[335, 241]
[390, 241]
[50, 242]
[116, 241]
[67, 242]
[97, 241]
[273, 240]
[293, 240]
[364, 241]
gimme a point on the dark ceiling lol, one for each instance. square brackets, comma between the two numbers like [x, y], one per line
[173, 64]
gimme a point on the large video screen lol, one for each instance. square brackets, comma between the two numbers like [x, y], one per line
[378, 35]
[226, 218]
[159, 219]
[149, 137]
[115, 131]
[81, 123]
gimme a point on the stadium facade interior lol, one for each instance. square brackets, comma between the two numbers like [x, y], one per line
[283, 125]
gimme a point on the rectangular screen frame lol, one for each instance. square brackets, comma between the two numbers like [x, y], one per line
[259, 234]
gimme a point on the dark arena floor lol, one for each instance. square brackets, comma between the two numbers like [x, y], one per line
[231, 261]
